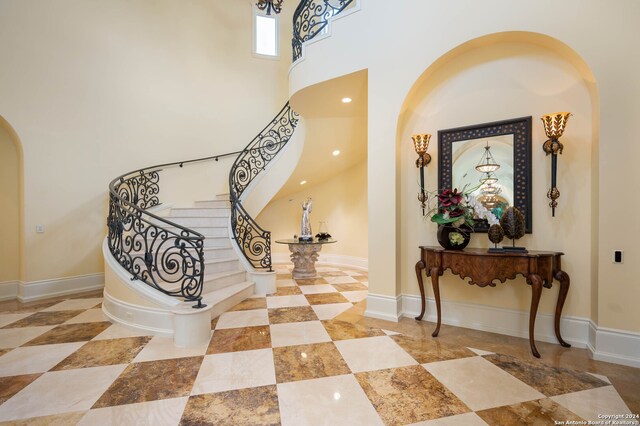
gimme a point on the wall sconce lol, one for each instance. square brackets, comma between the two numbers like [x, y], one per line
[554, 125]
[421, 143]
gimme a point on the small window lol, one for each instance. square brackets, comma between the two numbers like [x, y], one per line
[265, 41]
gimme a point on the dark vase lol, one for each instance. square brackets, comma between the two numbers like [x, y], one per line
[443, 236]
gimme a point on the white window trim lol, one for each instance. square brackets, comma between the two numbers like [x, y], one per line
[258, 12]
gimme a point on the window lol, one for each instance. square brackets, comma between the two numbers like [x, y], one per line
[265, 29]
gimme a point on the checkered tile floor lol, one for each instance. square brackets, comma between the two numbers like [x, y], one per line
[289, 358]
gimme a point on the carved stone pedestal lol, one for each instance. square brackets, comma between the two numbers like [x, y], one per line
[304, 255]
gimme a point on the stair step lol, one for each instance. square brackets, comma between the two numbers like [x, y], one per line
[220, 280]
[197, 222]
[221, 265]
[226, 298]
[181, 212]
[207, 204]
[217, 241]
[225, 196]
[207, 231]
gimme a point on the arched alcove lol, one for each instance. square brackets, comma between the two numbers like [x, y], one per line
[498, 77]
[11, 214]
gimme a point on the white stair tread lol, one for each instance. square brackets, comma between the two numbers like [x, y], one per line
[216, 275]
[222, 294]
[226, 259]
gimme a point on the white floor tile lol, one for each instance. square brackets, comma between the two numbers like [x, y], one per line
[163, 348]
[298, 333]
[317, 289]
[165, 412]
[480, 351]
[390, 333]
[117, 331]
[73, 304]
[588, 404]
[35, 359]
[355, 296]
[14, 337]
[337, 400]
[466, 419]
[60, 391]
[286, 301]
[373, 353]
[6, 319]
[235, 370]
[285, 283]
[327, 269]
[243, 318]
[341, 280]
[601, 377]
[469, 379]
[90, 315]
[330, 310]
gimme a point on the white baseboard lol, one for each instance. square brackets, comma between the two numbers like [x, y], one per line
[383, 307]
[37, 290]
[611, 345]
[361, 263]
[9, 290]
[152, 320]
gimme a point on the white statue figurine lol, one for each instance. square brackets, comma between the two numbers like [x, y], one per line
[305, 231]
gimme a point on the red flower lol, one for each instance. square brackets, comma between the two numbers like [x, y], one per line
[450, 198]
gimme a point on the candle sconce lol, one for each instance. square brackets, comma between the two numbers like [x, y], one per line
[420, 144]
[554, 125]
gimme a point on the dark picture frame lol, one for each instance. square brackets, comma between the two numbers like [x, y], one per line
[520, 128]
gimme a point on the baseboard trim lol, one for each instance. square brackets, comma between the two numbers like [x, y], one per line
[360, 263]
[9, 290]
[612, 345]
[383, 307]
[37, 290]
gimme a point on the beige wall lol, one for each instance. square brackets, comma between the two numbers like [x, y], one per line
[96, 89]
[340, 201]
[9, 207]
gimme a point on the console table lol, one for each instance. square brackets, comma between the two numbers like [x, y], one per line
[482, 268]
[304, 255]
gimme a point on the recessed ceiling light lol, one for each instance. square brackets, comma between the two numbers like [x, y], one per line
[346, 100]
[336, 152]
[303, 182]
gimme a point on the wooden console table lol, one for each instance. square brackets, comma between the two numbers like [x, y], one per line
[538, 267]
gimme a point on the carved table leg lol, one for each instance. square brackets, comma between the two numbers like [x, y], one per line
[563, 277]
[304, 257]
[536, 291]
[435, 276]
[419, 268]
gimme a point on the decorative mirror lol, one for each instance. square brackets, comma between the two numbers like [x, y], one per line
[493, 160]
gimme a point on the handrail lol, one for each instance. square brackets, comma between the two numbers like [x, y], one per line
[253, 240]
[310, 18]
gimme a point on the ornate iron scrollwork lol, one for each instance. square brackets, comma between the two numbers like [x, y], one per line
[310, 18]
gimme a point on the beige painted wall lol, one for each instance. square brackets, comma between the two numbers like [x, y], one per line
[9, 208]
[340, 201]
[96, 89]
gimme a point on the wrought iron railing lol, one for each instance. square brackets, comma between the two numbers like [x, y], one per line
[310, 18]
[255, 242]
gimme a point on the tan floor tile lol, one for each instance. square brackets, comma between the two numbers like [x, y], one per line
[160, 347]
[214, 322]
[293, 314]
[68, 333]
[255, 406]
[285, 276]
[15, 306]
[466, 419]
[288, 291]
[10, 386]
[322, 299]
[4, 351]
[152, 380]
[350, 287]
[550, 381]
[425, 351]
[539, 412]
[408, 395]
[165, 412]
[104, 352]
[333, 274]
[251, 303]
[341, 330]
[239, 339]
[311, 281]
[64, 419]
[45, 318]
[304, 362]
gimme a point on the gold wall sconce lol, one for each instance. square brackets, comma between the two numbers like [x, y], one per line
[421, 143]
[554, 125]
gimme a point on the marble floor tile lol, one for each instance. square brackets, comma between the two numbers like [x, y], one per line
[90, 315]
[286, 301]
[287, 291]
[355, 296]
[350, 287]
[480, 351]
[239, 339]
[293, 363]
[537, 412]
[117, 331]
[391, 333]
[150, 381]
[59, 392]
[358, 354]
[323, 299]
[408, 395]
[588, 404]
[64, 419]
[317, 289]
[294, 314]
[362, 279]
[74, 304]
[214, 322]
[330, 310]
[311, 281]
[288, 282]
[11, 385]
[548, 380]
[298, 333]
[160, 347]
[6, 319]
[252, 406]
[235, 370]
[329, 270]
[166, 412]
[5, 351]
[104, 352]
[424, 350]
[250, 303]
[14, 337]
[67, 333]
[35, 359]
[471, 378]
[342, 330]
[44, 318]
[601, 377]
[341, 280]
[337, 400]
[466, 419]
[243, 319]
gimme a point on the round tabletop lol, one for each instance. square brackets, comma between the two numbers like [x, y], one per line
[314, 241]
